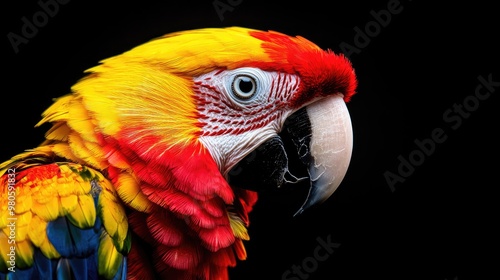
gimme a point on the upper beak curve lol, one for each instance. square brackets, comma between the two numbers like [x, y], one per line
[326, 147]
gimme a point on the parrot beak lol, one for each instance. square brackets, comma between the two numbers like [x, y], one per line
[324, 145]
[323, 138]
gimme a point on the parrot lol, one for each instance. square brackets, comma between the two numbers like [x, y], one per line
[152, 163]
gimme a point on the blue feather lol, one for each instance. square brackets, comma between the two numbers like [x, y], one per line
[21, 274]
[71, 241]
[44, 267]
[78, 249]
[121, 274]
[63, 270]
[60, 269]
[84, 268]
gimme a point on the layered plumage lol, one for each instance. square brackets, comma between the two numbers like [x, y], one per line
[132, 178]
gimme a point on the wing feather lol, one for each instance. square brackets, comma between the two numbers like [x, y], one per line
[59, 219]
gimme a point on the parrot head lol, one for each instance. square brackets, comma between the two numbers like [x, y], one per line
[187, 125]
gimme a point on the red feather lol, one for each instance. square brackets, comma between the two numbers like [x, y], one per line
[185, 256]
[137, 267]
[164, 228]
[189, 229]
[137, 222]
[322, 72]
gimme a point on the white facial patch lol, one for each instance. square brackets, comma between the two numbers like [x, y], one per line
[240, 109]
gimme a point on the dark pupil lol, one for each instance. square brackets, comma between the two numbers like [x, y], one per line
[245, 85]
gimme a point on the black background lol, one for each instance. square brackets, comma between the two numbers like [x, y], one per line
[437, 224]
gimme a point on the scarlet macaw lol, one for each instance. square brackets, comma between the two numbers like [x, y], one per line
[134, 179]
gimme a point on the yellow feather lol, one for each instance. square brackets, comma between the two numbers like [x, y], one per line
[38, 236]
[23, 202]
[36, 230]
[58, 111]
[136, 95]
[18, 160]
[80, 120]
[48, 249]
[22, 225]
[113, 215]
[66, 186]
[238, 227]
[76, 184]
[58, 132]
[24, 254]
[63, 150]
[186, 53]
[70, 186]
[103, 108]
[4, 214]
[84, 214]
[98, 156]
[48, 209]
[128, 189]
[5, 250]
[67, 204]
[108, 258]
[79, 148]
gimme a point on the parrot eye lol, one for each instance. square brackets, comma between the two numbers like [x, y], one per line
[244, 86]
